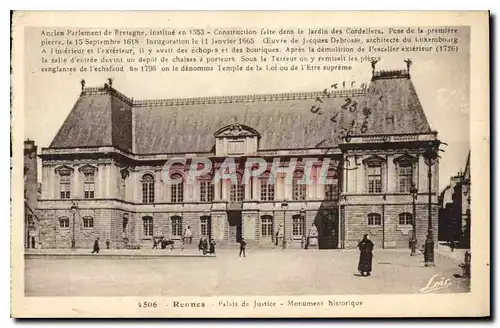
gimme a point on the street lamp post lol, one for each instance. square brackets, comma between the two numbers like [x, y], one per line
[430, 157]
[413, 241]
[284, 206]
[74, 208]
[303, 221]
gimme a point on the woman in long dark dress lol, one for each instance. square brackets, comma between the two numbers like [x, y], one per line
[365, 256]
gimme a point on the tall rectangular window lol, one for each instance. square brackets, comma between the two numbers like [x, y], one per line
[237, 192]
[267, 226]
[147, 223]
[177, 189]
[204, 226]
[405, 173]
[374, 179]
[88, 185]
[148, 188]
[176, 226]
[299, 190]
[266, 190]
[298, 226]
[206, 191]
[331, 191]
[65, 186]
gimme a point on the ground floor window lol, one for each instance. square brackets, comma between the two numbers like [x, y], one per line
[267, 226]
[88, 222]
[205, 226]
[298, 223]
[147, 222]
[405, 218]
[374, 219]
[176, 226]
[64, 222]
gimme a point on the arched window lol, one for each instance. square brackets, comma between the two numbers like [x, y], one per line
[147, 223]
[64, 222]
[148, 188]
[177, 189]
[176, 226]
[405, 218]
[88, 222]
[374, 219]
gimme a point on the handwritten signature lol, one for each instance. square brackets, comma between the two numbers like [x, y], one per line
[436, 284]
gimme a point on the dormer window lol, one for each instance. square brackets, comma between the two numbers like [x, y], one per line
[236, 140]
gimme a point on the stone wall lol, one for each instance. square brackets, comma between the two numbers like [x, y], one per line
[390, 234]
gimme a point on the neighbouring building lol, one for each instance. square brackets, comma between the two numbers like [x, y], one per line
[102, 175]
[31, 220]
[454, 211]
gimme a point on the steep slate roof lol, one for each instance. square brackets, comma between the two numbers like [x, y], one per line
[284, 121]
[88, 123]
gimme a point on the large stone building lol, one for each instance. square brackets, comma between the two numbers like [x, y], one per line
[454, 211]
[31, 194]
[103, 174]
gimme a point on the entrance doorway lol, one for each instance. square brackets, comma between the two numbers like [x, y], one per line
[33, 244]
[327, 224]
[234, 219]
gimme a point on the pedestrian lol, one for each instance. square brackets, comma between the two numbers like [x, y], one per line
[107, 243]
[212, 246]
[188, 235]
[200, 245]
[155, 243]
[243, 246]
[365, 256]
[205, 246]
[96, 246]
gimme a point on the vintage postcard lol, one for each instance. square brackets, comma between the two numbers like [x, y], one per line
[250, 164]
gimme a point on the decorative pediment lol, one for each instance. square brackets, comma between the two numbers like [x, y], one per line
[64, 170]
[405, 159]
[374, 160]
[87, 169]
[236, 130]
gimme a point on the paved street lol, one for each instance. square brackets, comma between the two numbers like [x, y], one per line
[262, 272]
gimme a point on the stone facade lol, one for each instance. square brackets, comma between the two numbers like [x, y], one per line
[116, 177]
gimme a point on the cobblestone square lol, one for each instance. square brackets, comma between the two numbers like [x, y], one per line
[262, 272]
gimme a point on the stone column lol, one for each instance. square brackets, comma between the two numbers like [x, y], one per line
[391, 175]
[219, 220]
[248, 220]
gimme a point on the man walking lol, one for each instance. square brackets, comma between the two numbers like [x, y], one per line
[243, 246]
[96, 246]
